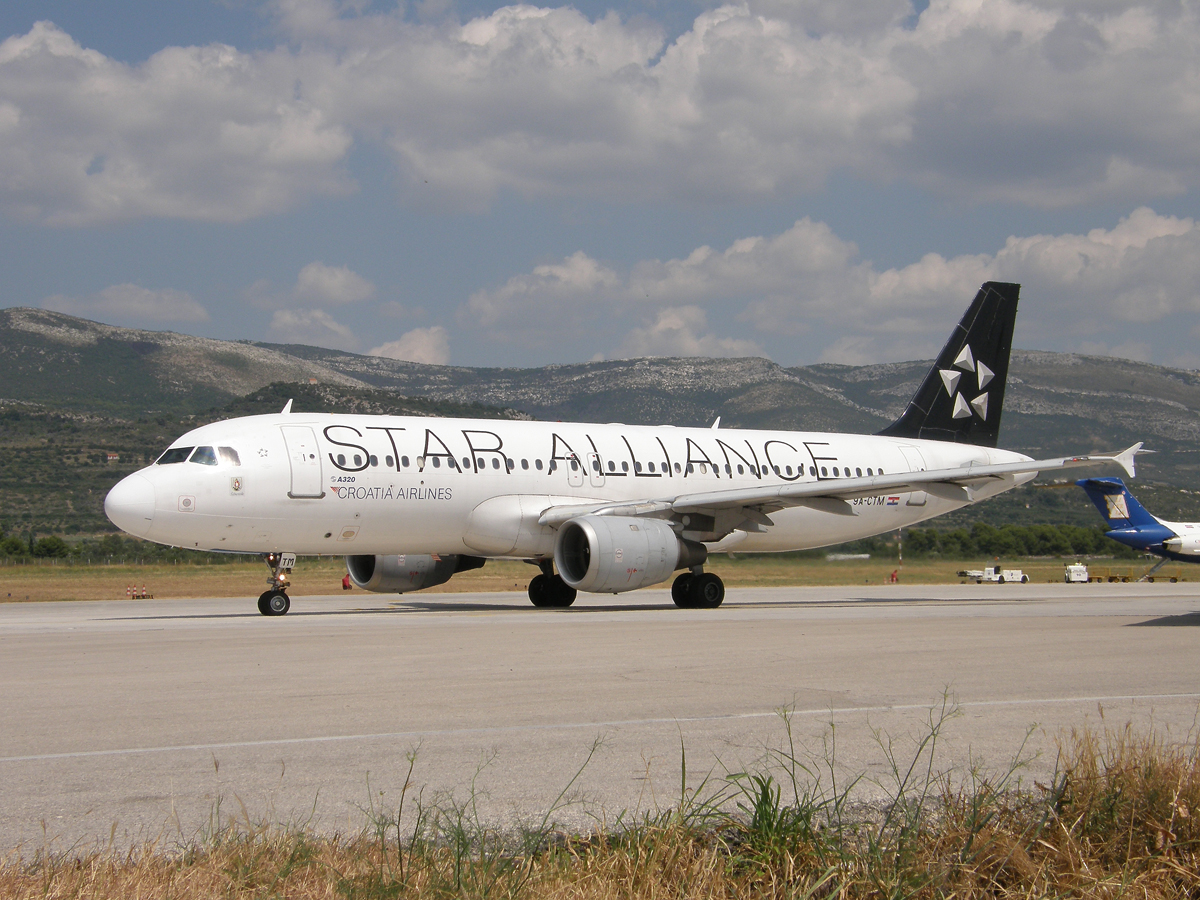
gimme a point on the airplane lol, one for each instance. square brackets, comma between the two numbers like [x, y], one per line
[611, 508]
[1131, 524]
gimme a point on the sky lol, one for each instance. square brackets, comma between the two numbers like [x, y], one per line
[454, 181]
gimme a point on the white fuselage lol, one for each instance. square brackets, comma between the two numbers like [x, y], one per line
[347, 485]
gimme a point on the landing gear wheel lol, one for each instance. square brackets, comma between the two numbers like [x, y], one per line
[274, 603]
[551, 592]
[537, 590]
[706, 591]
[680, 592]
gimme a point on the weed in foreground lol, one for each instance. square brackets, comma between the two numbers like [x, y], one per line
[1118, 819]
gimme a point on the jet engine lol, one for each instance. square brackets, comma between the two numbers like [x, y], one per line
[406, 572]
[1186, 544]
[611, 554]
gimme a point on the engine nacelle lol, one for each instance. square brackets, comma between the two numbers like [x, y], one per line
[406, 572]
[1185, 544]
[611, 554]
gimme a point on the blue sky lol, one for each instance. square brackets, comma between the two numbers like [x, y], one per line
[461, 182]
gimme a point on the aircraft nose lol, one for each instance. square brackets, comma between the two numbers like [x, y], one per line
[130, 504]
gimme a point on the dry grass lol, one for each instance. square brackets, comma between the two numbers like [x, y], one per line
[323, 576]
[1120, 820]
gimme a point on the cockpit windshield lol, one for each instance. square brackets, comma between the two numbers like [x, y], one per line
[175, 455]
[229, 456]
[206, 456]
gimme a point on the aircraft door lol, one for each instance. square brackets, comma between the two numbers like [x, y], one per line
[574, 471]
[595, 470]
[916, 463]
[305, 459]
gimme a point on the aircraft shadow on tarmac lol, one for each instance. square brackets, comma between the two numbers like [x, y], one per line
[1192, 618]
[412, 607]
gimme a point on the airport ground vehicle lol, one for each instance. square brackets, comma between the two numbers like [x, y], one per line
[1075, 574]
[995, 575]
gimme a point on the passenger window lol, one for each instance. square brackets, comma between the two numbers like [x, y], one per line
[869, 472]
[637, 467]
[525, 464]
[624, 467]
[703, 469]
[857, 472]
[552, 465]
[574, 465]
[389, 461]
[480, 463]
[404, 461]
[728, 470]
[880, 472]
[776, 470]
[373, 459]
[206, 456]
[690, 469]
[651, 467]
[740, 470]
[676, 468]
[437, 462]
[509, 464]
[341, 459]
[357, 460]
[537, 464]
[788, 469]
[466, 463]
[495, 463]
[229, 455]
[812, 470]
[823, 472]
[835, 472]
[175, 455]
[595, 465]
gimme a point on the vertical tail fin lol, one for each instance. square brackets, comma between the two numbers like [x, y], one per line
[962, 395]
[1119, 507]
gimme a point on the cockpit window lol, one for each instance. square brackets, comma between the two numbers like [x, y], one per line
[206, 456]
[175, 455]
[229, 456]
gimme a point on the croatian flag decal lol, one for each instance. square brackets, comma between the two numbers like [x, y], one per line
[893, 501]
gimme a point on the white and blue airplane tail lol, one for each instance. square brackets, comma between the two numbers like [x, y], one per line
[1132, 524]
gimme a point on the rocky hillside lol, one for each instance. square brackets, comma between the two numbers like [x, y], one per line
[1055, 403]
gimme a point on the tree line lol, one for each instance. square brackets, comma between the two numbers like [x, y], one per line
[1008, 541]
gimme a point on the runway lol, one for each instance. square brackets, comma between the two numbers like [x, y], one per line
[141, 719]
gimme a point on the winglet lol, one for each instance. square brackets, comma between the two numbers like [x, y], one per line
[716, 423]
[1125, 458]
[287, 409]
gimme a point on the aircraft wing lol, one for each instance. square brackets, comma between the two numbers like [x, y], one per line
[830, 495]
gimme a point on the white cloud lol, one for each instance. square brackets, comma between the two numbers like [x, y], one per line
[676, 332]
[132, 304]
[310, 326]
[321, 285]
[421, 345]
[1039, 102]
[205, 133]
[805, 295]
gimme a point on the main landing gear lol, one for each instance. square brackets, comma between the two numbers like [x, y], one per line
[549, 591]
[274, 601]
[698, 589]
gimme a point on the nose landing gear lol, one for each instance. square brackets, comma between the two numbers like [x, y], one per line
[274, 601]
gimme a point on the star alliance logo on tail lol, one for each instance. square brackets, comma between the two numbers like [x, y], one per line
[950, 378]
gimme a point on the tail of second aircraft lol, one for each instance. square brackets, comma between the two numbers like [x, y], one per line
[1129, 522]
[961, 397]
[1120, 508]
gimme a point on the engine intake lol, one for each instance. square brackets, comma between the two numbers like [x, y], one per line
[406, 572]
[611, 554]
